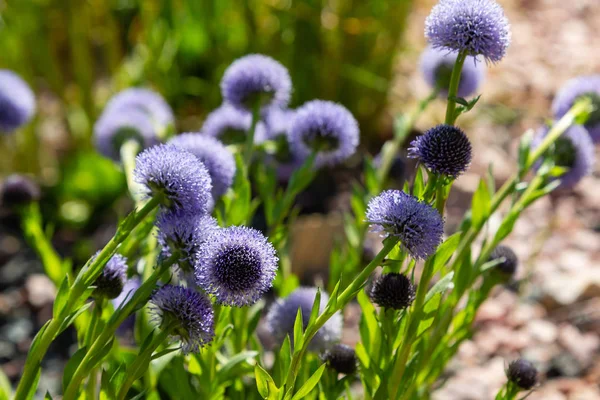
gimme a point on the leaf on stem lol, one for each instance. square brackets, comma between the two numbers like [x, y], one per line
[310, 384]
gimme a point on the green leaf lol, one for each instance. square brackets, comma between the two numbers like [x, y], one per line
[298, 331]
[440, 287]
[430, 309]
[239, 358]
[264, 383]
[506, 226]
[72, 365]
[524, 150]
[419, 183]
[310, 384]
[61, 297]
[5, 388]
[481, 204]
[107, 390]
[445, 251]
[370, 173]
[285, 356]
[314, 313]
[73, 316]
[368, 322]
[48, 396]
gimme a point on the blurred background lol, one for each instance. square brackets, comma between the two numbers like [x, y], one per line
[77, 53]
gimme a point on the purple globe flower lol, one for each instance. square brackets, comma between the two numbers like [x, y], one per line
[111, 281]
[574, 151]
[326, 128]
[444, 149]
[418, 225]
[17, 101]
[522, 373]
[230, 125]
[477, 27]
[437, 65]
[282, 316]
[113, 129]
[237, 265]
[256, 78]
[214, 155]
[573, 90]
[278, 122]
[342, 359]
[187, 314]
[185, 234]
[177, 176]
[148, 102]
[508, 260]
[393, 290]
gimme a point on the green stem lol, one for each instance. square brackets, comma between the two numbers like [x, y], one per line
[85, 278]
[107, 335]
[129, 151]
[141, 362]
[250, 136]
[340, 302]
[453, 88]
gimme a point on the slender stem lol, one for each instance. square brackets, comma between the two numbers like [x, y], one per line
[250, 136]
[107, 334]
[85, 278]
[440, 197]
[129, 151]
[453, 89]
[141, 361]
[340, 302]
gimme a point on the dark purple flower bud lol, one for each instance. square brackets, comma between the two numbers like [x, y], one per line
[111, 281]
[418, 225]
[507, 258]
[256, 79]
[393, 290]
[177, 176]
[575, 89]
[282, 317]
[326, 128]
[477, 27]
[522, 373]
[19, 190]
[188, 315]
[437, 66]
[342, 359]
[443, 149]
[237, 265]
[574, 151]
[17, 101]
[217, 159]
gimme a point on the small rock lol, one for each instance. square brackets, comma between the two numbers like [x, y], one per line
[582, 346]
[542, 331]
[40, 290]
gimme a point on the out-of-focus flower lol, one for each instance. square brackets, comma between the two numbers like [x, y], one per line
[575, 89]
[145, 100]
[437, 65]
[256, 79]
[509, 260]
[19, 190]
[342, 359]
[326, 128]
[17, 101]
[231, 125]
[110, 282]
[282, 317]
[522, 373]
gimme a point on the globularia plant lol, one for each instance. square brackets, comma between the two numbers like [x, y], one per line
[200, 279]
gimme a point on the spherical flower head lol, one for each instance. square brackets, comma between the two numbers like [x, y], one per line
[19, 190]
[477, 27]
[326, 128]
[418, 225]
[256, 80]
[188, 315]
[507, 258]
[111, 281]
[437, 65]
[177, 176]
[393, 290]
[443, 149]
[115, 128]
[146, 101]
[282, 317]
[522, 373]
[217, 159]
[575, 89]
[574, 151]
[185, 234]
[237, 265]
[231, 125]
[17, 101]
[342, 359]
